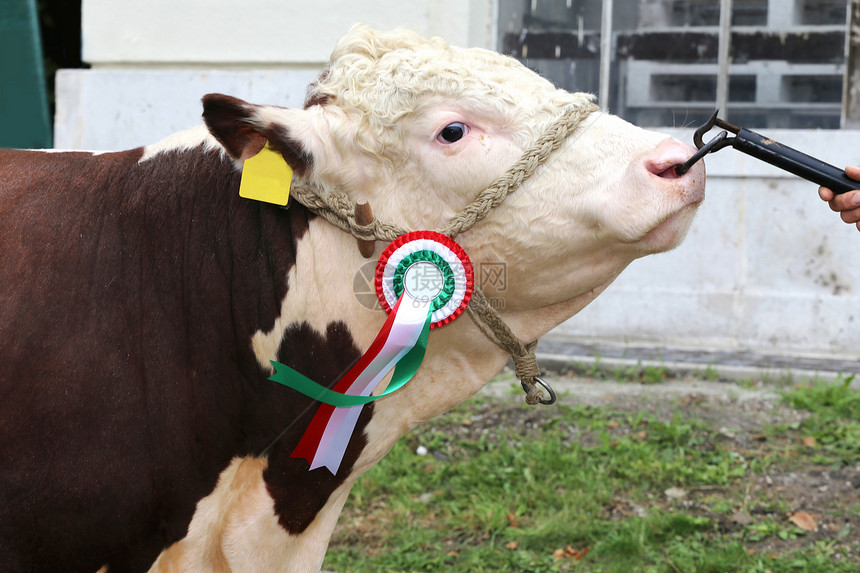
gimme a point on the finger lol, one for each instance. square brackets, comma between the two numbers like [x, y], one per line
[853, 171]
[846, 201]
[852, 216]
[825, 193]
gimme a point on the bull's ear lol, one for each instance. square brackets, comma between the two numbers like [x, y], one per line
[244, 128]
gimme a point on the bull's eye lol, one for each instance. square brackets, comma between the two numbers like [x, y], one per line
[452, 132]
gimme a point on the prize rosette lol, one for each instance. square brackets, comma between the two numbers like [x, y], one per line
[430, 267]
[423, 280]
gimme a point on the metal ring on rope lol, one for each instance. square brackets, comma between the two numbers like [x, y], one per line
[545, 386]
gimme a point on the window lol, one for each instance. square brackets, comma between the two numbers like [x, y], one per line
[782, 62]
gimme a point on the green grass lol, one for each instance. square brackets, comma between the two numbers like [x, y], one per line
[835, 425]
[584, 491]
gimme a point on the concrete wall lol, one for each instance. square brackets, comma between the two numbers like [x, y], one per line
[121, 108]
[152, 61]
[766, 266]
[261, 32]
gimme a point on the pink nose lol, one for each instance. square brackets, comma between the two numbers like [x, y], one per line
[661, 162]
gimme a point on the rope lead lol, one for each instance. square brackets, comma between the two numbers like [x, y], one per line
[336, 208]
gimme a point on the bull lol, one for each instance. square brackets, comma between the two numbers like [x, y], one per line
[143, 301]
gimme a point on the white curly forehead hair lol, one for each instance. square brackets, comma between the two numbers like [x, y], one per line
[379, 78]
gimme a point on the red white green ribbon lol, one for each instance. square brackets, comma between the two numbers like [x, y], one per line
[423, 280]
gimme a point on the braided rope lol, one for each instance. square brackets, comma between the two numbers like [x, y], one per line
[493, 327]
[539, 151]
[336, 208]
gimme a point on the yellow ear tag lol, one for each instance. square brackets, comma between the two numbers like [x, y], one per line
[266, 177]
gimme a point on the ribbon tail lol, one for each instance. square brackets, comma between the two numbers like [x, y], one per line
[336, 396]
[400, 344]
[408, 365]
[334, 442]
[340, 428]
[307, 447]
[300, 383]
[413, 320]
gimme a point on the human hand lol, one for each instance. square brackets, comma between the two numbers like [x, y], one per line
[847, 204]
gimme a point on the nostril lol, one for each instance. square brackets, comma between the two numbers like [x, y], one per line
[663, 160]
[665, 169]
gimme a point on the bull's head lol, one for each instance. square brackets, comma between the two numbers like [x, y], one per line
[419, 129]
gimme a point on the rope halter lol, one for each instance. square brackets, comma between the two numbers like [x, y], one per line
[336, 208]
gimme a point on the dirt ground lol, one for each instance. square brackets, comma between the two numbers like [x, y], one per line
[795, 503]
[738, 414]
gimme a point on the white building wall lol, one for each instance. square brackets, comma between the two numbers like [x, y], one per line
[125, 107]
[261, 32]
[766, 266]
[152, 61]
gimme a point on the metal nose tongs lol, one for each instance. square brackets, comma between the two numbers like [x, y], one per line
[769, 151]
